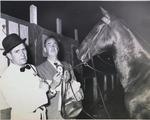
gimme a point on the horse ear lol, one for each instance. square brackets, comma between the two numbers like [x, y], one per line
[106, 18]
[105, 12]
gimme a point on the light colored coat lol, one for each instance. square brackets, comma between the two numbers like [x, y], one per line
[22, 93]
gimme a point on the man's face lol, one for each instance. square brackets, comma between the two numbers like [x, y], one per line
[51, 47]
[18, 55]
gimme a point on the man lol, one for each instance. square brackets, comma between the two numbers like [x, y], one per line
[20, 85]
[49, 70]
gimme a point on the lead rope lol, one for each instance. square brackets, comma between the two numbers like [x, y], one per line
[62, 98]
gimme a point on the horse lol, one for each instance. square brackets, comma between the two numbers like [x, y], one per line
[131, 58]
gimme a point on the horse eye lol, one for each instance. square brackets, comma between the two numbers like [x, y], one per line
[105, 20]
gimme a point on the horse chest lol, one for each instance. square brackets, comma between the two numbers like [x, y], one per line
[137, 95]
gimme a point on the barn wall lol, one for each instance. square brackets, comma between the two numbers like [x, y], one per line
[35, 35]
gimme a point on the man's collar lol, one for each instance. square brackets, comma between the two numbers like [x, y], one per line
[53, 61]
[22, 68]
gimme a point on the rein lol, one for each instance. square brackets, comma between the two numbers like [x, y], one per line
[78, 65]
[86, 64]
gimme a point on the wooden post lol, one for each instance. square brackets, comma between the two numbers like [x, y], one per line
[112, 82]
[95, 90]
[105, 87]
[72, 55]
[95, 85]
[33, 14]
[58, 26]
[76, 34]
[105, 83]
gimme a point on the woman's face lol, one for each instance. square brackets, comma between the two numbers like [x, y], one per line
[51, 47]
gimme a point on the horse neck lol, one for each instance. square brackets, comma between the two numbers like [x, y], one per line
[128, 49]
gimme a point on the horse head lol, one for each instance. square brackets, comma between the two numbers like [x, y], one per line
[95, 42]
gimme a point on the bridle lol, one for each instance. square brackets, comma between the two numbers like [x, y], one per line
[100, 32]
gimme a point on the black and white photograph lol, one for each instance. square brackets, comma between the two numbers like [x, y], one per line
[74, 60]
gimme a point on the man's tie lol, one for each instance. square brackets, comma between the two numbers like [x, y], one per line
[22, 69]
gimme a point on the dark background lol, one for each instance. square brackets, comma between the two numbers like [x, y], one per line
[82, 15]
